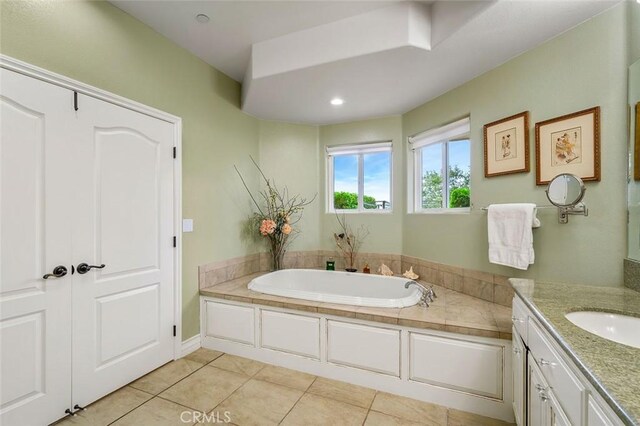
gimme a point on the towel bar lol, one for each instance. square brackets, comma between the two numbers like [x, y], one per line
[538, 207]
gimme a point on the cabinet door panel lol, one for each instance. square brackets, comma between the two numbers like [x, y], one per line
[378, 348]
[457, 364]
[518, 366]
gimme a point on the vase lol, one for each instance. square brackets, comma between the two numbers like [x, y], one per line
[351, 270]
[277, 260]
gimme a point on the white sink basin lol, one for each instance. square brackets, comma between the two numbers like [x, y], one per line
[617, 328]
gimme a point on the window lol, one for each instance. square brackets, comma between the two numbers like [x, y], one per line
[359, 177]
[441, 168]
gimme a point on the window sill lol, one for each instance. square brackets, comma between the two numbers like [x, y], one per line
[366, 212]
[463, 210]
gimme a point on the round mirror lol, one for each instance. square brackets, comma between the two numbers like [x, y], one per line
[565, 190]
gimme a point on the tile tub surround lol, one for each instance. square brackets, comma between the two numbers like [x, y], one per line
[254, 393]
[632, 274]
[451, 311]
[482, 285]
[612, 368]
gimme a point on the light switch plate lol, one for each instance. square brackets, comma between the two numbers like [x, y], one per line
[187, 225]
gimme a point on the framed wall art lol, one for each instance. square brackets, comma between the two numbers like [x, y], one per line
[636, 148]
[506, 145]
[569, 144]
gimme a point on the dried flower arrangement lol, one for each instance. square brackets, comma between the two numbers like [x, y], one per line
[349, 242]
[277, 217]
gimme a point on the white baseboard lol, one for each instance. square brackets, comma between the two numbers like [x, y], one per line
[190, 345]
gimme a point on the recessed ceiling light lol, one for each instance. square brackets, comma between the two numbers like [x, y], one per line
[337, 101]
[202, 18]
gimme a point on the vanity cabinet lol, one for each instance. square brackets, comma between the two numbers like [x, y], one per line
[519, 365]
[548, 389]
[544, 408]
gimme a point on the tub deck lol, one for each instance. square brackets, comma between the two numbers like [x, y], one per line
[452, 311]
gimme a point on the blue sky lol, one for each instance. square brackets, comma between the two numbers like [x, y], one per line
[376, 174]
[458, 155]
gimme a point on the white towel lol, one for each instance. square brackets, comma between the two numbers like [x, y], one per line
[511, 235]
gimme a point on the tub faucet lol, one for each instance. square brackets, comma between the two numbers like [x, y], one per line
[428, 294]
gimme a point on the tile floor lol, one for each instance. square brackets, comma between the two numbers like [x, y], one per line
[246, 392]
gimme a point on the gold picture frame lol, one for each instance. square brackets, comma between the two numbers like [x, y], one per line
[506, 145]
[569, 144]
[636, 148]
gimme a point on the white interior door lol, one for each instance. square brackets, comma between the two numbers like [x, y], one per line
[35, 313]
[123, 193]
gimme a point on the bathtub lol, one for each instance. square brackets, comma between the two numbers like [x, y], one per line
[338, 287]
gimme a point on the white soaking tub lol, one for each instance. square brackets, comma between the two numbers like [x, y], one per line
[338, 287]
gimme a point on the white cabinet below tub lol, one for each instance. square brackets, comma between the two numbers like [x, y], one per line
[291, 333]
[461, 365]
[230, 322]
[361, 346]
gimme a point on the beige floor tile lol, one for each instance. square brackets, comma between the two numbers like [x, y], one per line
[236, 364]
[110, 408]
[314, 410]
[156, 412]
[203, 356]
[410, 409]
[166, 376]
[259, 403]
[205, 388]
[462, 418]
[286, 377]
[341, 391]
[378, 419]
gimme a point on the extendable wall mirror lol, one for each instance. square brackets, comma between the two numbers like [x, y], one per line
[566, 192]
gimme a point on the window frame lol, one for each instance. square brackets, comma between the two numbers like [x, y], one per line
[444, 135]
[359, 149]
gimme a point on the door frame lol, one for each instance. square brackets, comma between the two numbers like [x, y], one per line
[33, 71]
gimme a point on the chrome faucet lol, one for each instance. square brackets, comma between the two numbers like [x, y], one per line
[428, 294]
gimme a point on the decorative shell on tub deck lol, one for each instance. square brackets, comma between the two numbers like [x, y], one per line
[385, 270]
[410, 274]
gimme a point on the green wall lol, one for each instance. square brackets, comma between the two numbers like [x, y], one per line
[385, 228]
[289, 156]
[584, 67]
[99, 44]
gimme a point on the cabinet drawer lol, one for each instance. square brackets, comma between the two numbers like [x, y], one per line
[566, 387]
[370, 348]
[230, 322]
[462, 365]
[520, 318]
[295, 334]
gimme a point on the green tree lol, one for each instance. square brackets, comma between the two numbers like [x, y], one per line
[369, 202]
[345, 200]
[458, 178]
[432, 189]
[459, 197]
[348, 200]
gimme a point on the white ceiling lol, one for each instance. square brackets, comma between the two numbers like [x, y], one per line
[381, 57]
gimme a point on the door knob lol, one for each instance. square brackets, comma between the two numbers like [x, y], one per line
[58, 271]
[83, 268]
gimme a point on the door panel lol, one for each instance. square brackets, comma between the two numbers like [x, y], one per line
[35, 314]
[124, 192]
[128, 180]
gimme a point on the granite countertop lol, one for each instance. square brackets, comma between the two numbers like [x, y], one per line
[612, 368]
[450, 311]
